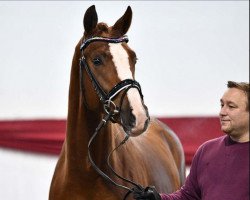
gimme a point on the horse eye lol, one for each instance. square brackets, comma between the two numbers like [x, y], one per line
[97, 61]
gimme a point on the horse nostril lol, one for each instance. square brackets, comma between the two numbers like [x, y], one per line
[131, 119]
[128, 119]
[146, 123]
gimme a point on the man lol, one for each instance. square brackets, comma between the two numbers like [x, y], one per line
[220, 167]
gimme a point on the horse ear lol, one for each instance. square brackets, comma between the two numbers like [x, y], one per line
[90, 19]
[122, 25]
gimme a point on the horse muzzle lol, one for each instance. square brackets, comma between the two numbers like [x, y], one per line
[134, 120]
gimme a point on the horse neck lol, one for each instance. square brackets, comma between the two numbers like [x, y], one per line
[81, 125]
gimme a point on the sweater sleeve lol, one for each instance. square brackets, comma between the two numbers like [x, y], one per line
[190, 190]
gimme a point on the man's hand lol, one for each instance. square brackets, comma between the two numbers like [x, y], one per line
[149, 193]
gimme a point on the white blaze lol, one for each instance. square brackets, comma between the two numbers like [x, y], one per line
[121, 62]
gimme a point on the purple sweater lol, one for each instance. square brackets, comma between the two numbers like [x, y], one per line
[219, 171]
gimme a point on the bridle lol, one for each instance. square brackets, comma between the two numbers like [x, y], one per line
[110, 108]
[107, 98]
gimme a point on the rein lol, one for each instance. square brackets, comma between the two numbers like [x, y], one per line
[100, 172]
[110, 108]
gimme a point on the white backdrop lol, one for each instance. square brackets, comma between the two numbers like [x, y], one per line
[187, 51]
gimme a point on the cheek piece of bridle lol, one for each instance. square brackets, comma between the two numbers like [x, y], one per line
[110, 108]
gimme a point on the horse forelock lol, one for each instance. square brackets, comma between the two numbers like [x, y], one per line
[103, 30]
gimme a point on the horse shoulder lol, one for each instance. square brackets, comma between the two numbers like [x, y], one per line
[167, 136]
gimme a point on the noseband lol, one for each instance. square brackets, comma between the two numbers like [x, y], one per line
[109, 106]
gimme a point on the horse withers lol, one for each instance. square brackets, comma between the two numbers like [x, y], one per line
[105, 106]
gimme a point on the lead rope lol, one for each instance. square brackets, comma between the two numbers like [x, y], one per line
[99, 171]
[123, 142]
[119, 176]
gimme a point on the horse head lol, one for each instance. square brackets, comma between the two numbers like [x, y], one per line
[109, 75]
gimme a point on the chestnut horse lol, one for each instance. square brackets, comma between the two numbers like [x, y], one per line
[104, 85]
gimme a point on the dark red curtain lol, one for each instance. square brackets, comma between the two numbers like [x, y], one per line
[194, 131]
[47, 136]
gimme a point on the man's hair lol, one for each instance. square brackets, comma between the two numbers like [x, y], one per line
[244, 86]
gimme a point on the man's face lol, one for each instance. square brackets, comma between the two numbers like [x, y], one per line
[234, 116]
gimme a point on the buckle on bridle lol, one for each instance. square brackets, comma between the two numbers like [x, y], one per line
[110, 108]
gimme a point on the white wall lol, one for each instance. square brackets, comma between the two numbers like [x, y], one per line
[25, 176]
[187, 51]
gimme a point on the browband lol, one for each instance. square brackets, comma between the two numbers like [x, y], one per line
[103, 39]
